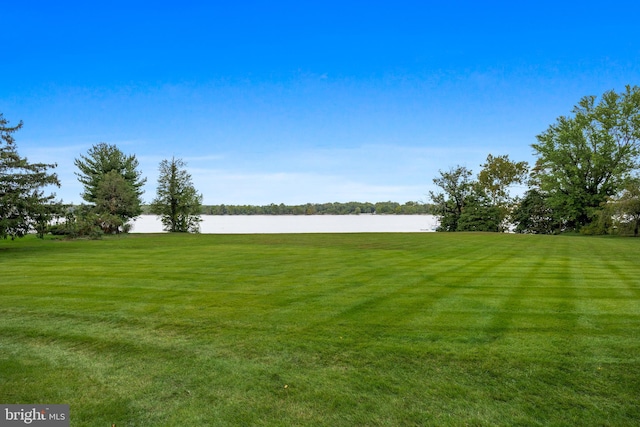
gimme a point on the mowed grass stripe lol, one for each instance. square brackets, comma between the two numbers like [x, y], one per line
[364, 329]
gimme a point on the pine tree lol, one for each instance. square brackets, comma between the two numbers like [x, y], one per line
[177, 201]
[23, 204]
[111, 178]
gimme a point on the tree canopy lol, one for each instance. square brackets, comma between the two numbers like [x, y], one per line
[498, 174]
[586, 165]
[588, 157]
[483, 204]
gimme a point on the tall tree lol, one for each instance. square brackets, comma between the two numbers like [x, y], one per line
[449, 203]
[105, 170]
[23, 203]
[584, 159]
[177, 201]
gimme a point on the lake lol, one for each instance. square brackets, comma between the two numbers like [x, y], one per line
[274, 224]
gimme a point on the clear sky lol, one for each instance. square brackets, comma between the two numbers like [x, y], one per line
[305, 101]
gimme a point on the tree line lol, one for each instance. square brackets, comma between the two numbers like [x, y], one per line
[336, 208]
[585, 179]
[112, 187]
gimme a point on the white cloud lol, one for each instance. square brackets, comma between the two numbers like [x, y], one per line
[369, 172]
[228, 187]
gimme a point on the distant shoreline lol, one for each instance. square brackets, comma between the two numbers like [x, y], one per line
[329, 208]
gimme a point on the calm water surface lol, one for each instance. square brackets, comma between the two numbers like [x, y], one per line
[266, 224]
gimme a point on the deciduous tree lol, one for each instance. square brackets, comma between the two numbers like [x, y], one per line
[586, 158]
[497, 176]
[456, 185]
[533, 215]
[479, 213]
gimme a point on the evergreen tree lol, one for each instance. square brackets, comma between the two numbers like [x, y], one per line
[177, 202]
[24, 206]
[112, 183]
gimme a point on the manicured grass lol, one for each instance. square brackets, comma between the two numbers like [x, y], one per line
[340, 329]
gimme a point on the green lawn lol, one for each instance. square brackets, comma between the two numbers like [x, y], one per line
[324, 329]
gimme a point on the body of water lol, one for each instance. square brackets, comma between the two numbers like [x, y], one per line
[269, 224]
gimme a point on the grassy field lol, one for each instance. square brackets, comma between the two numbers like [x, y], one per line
[328, 330]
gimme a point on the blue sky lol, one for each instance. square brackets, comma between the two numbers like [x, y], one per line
[296, 102]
